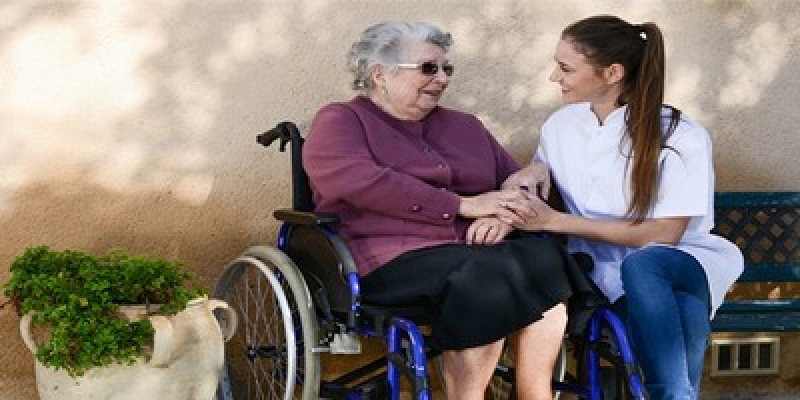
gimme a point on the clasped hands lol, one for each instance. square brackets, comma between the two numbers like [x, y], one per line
[516, 205]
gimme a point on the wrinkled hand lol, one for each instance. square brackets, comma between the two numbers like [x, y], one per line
[500, 204]
[487, 230]
[534, 178]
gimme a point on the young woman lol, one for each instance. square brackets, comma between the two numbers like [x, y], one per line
[637, 180]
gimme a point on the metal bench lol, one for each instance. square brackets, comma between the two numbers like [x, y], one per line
[766, 226]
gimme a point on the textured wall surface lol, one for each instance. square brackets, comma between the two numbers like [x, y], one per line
[131, 123]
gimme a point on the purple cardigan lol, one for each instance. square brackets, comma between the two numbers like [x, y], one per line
[396, 184]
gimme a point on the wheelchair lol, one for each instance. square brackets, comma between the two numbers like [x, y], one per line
[301, 298]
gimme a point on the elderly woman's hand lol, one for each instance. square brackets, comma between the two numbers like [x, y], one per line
[487, 230]
[534, 178]
[500, 204]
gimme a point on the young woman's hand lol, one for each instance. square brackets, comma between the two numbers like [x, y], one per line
[534, 178]
[487, 230]
[536, 215]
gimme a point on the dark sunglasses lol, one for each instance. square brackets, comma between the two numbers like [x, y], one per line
[429, 68]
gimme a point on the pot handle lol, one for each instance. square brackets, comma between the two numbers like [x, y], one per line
[228, 328]
[162, 341]
[25, 332]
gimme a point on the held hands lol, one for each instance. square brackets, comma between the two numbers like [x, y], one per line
[534, 178]
[497, 213]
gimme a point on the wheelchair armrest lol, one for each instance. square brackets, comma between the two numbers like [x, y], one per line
[305, 218]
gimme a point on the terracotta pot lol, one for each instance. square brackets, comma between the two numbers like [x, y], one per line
[186, 360]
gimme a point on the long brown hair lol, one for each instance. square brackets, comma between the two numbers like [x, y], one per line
[605, 40]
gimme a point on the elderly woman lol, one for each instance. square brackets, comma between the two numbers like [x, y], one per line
[416, 188]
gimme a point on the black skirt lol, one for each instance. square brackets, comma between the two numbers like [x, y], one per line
[478, 294]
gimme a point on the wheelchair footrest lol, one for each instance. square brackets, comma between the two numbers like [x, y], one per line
[345, 343]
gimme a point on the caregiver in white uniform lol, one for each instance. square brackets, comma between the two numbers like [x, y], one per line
[637, 180]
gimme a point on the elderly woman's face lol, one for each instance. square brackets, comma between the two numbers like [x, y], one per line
[411, 93]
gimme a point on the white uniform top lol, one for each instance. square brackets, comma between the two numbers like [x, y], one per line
[588, 163]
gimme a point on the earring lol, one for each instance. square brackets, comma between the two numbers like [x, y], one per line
[384, 91]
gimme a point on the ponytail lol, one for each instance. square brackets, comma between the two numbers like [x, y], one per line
[606, 40]
[643, 122]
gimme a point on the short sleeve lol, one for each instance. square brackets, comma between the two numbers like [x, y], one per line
[686, 175]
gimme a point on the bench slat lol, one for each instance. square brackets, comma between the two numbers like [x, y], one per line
[759, 306]
[770, 273]
[756, 199]
[751, 322]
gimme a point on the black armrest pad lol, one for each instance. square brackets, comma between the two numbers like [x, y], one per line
[305, 218]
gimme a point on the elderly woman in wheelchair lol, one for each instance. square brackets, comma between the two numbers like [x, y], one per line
[406, 196]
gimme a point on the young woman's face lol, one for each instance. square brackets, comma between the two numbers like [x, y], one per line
[580, 81]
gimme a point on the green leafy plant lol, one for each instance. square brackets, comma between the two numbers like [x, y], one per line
[76, 297]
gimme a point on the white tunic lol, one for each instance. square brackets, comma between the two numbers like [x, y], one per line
[588, 162]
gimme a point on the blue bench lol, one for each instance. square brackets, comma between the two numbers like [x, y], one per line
[766, 226]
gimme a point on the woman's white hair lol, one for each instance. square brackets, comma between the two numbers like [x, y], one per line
[383, 44]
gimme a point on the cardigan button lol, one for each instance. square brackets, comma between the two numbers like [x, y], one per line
[416, 208]
[447, 216]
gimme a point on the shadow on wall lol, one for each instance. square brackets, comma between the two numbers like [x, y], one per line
[166, 98]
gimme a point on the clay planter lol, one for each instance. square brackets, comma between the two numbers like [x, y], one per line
[186, 360]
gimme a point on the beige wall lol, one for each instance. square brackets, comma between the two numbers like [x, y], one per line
[131, 123]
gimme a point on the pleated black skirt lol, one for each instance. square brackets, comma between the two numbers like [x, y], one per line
[477, 294]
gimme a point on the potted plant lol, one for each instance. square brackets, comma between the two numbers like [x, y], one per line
[116, 326]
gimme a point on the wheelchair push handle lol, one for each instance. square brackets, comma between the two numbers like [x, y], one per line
[285, 131]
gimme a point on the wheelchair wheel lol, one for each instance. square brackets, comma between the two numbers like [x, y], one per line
[272, 355]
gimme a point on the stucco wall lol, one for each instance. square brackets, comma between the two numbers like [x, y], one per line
[131, 123]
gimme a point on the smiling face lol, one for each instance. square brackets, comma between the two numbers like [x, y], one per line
[583, 82]
[407, 93]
